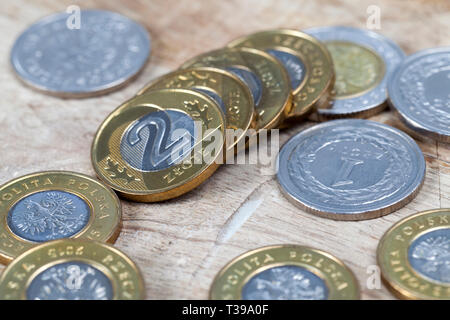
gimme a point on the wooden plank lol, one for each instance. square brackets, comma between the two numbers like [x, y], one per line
[181, 244]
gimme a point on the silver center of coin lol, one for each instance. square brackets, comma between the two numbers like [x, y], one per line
[285, 283]
[251, 80]
[293, 65]
[350, 166]
[158, 140]
[70, 281]
[104, 52]
[429, 255]
[48, 215]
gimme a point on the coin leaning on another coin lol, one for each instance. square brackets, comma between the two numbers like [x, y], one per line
[263, 74]
[230, 93]
[306, 60]
[159, 145]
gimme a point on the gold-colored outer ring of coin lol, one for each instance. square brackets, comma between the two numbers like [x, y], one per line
[276, 97]
[337, 277]
[235, 95]
[125, 158]
[411, 256]
[123, 274]
[52, 202]
[315, 89]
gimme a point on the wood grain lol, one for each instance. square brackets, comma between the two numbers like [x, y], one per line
[181, 244]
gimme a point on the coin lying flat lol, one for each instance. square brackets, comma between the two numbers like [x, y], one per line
[414, 256]
[159, 145]
[306, 60]
[420, 91]
[262, 73]
[52, 205]
[230, 93]
[351, 169]
[363, 61]
[70, 269]
[105, 52]
[285, 272]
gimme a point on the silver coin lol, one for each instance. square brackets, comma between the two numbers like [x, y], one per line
[362, 102]
[105, 52]
[420, 91]
[351, 169]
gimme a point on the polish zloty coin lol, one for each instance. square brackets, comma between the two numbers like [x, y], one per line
[351, 169]
[69, 269]
[230, 93]
[306, 60]
[363, 61]
[420, 91]
[58, 56]
[414, 256]
[263, 74]
[51, 205]
[285, 272]
[160, 144]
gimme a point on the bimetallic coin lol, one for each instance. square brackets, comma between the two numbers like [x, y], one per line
[262, 73]
[104, 52]
[230, 93]
[351, 169]
[414, 256]
[51, 205]
[285, 272]
[363, 61]
[306, 60]
[72, 269]
[160, 144]
[420, 91]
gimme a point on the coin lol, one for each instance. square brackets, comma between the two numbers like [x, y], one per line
[414, 258]
[261, 72]
[159, 145]
[420, 92]
[351, 169]
[72, 269]
[363, 61]
[51, 205]
[230, 93]
[306, 60]
[285, 272]
[102, 53]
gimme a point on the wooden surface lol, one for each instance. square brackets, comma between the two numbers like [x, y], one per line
[181, 244]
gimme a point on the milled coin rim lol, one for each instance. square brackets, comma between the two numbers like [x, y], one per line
[356, 215]
[322, 98]
[393, 284]
[84, 233]
[286, 104]
[332, 290]
[250, 121]
[174, 190]
[19, 263]
[94, 92]
[392, 87]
